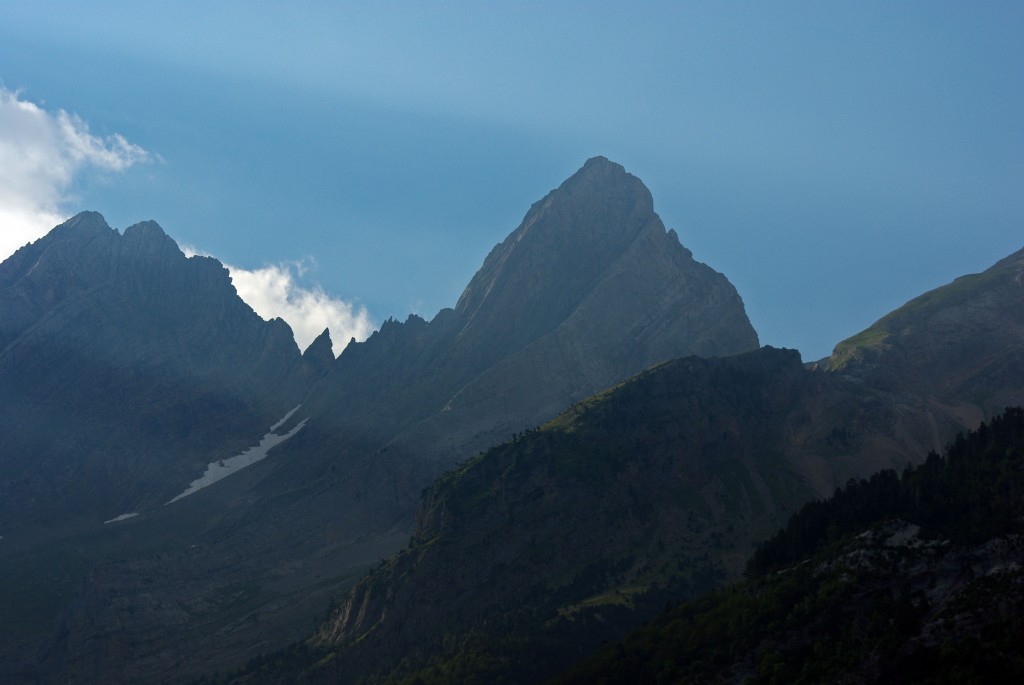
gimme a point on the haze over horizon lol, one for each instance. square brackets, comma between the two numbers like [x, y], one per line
[832, 161]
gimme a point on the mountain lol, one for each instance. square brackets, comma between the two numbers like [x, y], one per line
[589, 290]
[125, 368]
[914, 578]
[122, 363]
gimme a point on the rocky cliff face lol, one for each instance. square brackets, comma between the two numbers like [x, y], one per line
[596, 243]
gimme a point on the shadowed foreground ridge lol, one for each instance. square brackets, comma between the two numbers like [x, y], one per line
[916, 578]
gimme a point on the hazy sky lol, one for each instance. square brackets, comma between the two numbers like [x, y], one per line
[833, 159]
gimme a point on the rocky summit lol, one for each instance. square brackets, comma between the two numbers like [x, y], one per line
[584, 256]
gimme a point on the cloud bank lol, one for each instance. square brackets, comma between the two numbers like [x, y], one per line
[274, 291]
[41, 153]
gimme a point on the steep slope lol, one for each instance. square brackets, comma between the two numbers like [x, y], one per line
[898, 579]
[589, 290]
[961, 343]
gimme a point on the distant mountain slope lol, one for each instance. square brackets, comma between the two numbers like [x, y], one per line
[914, 580]
[961, 343]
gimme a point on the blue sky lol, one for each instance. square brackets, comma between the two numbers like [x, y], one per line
[833, 159]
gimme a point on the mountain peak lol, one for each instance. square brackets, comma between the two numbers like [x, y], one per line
[600, 176]
[320, 351]
[148, 237]
[84, 226]
[602, 171]
[598, 226]
[601, 166]
[563, 244]
[146, 229]
[86, 221]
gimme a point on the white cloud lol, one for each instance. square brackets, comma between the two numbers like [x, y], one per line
[41, 153]
[273, 291]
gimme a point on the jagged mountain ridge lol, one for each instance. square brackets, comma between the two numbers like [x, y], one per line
[125, 368]
[389, 415]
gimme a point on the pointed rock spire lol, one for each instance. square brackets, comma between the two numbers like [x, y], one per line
[320, 353]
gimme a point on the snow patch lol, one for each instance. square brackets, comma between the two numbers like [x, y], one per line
[273, 429]
[223, 468]
[122, 517]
